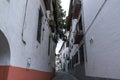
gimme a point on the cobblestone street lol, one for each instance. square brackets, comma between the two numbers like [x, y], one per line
[64, 76]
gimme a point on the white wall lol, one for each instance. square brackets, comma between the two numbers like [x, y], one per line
[11, 23]
[91, 7]
[74, 23]
[103, 55]
[73, 47]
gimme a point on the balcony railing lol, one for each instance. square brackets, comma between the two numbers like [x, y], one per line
[78, 37]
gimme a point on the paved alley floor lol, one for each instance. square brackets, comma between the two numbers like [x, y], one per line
[64, 76]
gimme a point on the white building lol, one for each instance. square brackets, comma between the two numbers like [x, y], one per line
[64, 54]
[100, 45]
[75, 33]
[27, 46]
[58, 63]
[101, 23]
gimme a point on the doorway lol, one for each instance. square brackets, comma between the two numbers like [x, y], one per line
[82, 54]
[82, 61]
[4, 56]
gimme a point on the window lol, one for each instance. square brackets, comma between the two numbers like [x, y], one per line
[76, 57]
[82, 54]
[49, 46]
[39, 25]
[80, 24]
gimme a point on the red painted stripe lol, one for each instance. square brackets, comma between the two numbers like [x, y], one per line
[16, 73]
[53, 73]
[4, 72]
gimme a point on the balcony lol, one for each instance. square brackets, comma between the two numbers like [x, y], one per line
[78, 37]
[52, 25]
[77, 10]
[47, 4]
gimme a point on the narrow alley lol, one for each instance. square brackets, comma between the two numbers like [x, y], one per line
[39, 40]
[63, 76]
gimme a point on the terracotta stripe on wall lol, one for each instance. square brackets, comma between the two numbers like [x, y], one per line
[16, 73]
[4, 72]
[53, 73]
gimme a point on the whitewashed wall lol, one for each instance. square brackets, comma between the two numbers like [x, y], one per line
[4, 47]
[91, 7]
[11, 23]
[73, 47]
[103, 54]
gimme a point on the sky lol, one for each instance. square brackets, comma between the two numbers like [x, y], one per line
[65, 6]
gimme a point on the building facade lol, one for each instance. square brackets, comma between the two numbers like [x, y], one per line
[27, 39]
[64, 56]
[101, 23]
[76, 64]
[94, 39]
[58, 62]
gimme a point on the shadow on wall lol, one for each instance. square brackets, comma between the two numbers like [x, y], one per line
[4, 56]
